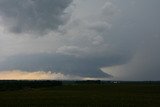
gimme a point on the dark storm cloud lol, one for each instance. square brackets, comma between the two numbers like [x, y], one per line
[123, 34]
[66, 64]
[87, 45]
[33, 16]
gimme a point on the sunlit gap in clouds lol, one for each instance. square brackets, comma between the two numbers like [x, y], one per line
[40, 75]
[35, 75]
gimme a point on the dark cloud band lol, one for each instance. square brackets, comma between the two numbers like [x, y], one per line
[33, 16]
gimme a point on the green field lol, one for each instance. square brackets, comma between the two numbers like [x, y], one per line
[84, 95]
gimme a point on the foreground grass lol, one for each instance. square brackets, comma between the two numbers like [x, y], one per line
[108, 95]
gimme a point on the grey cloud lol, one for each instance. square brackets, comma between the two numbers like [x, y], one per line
[33, 16]
[144, 65]
[66, 64]
[84, 49]
[120, 33]
[88, 35]
[137, 30]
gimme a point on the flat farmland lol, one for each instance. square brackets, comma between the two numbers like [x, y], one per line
[84, 95]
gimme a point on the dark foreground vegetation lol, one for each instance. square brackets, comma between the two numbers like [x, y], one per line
[79, 94]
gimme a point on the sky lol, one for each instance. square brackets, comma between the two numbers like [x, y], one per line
[80, 39]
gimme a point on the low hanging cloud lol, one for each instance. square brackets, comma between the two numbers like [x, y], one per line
[40, 75]
[33, 16]
[65, 64]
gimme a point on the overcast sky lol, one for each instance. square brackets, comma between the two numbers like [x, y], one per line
[80, 39]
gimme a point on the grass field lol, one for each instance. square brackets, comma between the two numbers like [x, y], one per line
[84, 95]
